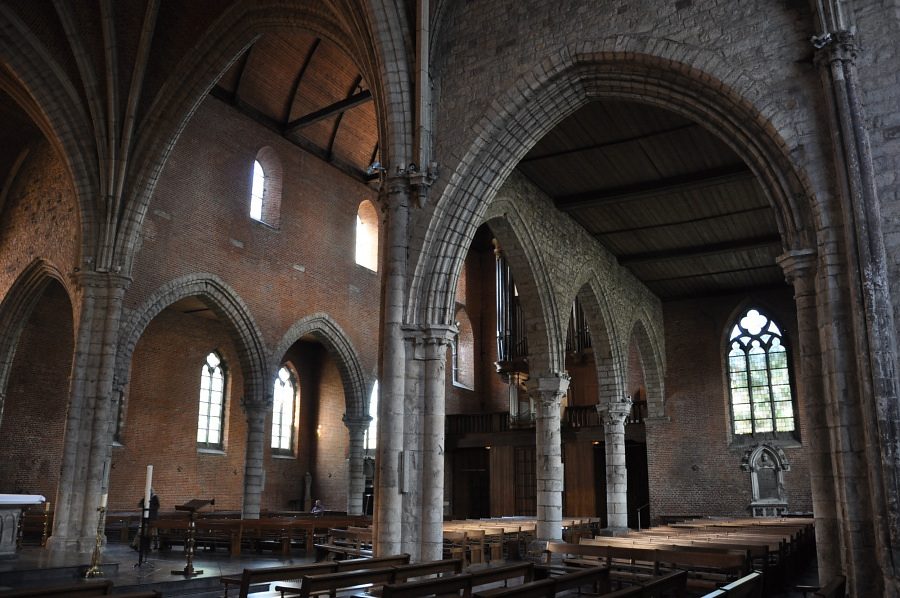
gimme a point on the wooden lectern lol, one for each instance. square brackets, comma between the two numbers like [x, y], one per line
[191, 506]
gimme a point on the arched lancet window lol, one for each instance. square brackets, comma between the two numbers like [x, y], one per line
[212, 403]
[463, 351]
[372, 431]
[759, 376]
[265, 188]
[367, 236]
[284, 408]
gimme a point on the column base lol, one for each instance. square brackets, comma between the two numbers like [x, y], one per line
[84, 544]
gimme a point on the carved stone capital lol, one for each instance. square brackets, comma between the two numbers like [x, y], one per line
[430, 342]
[835, 46]
[615, 413]
[91, 279]
[799, 268]
[549, 388]
[357, 425]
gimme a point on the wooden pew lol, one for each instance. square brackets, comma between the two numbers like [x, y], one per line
[749, 586]
[86, 588]
[343, 580]
[457, 585]
[251, 577]
[343, 543]
[545, 588]
[706, 569]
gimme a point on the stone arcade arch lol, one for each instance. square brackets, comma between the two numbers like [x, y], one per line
[324, 328]
[252, 355]
[657, 72]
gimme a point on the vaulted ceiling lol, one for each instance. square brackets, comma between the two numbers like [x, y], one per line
[667, 197]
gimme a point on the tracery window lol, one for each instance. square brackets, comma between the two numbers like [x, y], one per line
[212, 403]
[284, 406]
[759, 376]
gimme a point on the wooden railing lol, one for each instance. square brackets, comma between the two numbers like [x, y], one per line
[475, 423]
[582, 416]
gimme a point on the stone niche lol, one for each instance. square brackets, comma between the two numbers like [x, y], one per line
[766, 465]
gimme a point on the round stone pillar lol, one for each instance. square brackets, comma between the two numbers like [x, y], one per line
[613, 416]
[254, 464]
[549, 390]
[356, 482]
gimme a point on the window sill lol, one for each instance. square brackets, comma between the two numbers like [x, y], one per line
[210, 451]
[463, 386]
[284, 456]
[748, 440]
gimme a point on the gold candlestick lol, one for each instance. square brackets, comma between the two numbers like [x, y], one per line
[96, 560]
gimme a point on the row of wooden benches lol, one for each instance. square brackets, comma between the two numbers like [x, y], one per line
[84, 588]
[390, 577]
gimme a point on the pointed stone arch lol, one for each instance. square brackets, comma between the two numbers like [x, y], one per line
[653, 364]
[16, 307]
[660, 72]
[230, 309]
[543, 319]
[608, 357]
[326, 330]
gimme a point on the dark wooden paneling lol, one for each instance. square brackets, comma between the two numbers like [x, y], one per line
[502, 489]
[579, 497]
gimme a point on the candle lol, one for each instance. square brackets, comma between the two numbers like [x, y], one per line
[103, 500]
[147, 491]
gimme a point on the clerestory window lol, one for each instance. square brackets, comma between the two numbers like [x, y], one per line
[265, 188]
[759, 377]
[367, 236]
[212, 403]
[284, 408]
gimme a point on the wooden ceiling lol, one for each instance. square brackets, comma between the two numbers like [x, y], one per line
[308, 90]
[668, 198]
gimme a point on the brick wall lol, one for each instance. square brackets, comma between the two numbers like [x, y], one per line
[693, 466]
[37, 394]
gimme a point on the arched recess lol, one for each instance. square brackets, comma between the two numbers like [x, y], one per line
[228, 307]
[15, 309]
[324, 328]
[653, 366]
[543, 322]
[608, 359]
[639, 69]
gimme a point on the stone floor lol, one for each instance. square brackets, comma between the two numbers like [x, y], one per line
[36, 566]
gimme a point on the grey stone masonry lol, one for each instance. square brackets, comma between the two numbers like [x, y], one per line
[254, 465]
[613, 416]
[356, 482]
[549, 389]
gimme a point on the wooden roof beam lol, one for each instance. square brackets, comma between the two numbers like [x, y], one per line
[338, 107]
[693, 181]
[698, 251]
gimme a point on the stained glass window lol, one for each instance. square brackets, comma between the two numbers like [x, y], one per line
[283, 409]
[212, 403]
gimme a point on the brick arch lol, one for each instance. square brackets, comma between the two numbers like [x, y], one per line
[230, 309]
[367, 37]
[325, 329]
[653, 365]
[16, 307]
[543, 317]
[664, 73]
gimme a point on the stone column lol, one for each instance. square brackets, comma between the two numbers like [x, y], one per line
[549, 389]
[800, 271]
[388, 500]
[869, 404]
[89, 425]
[613, 416]
[356, 482]
[254, 461]
[431, 348]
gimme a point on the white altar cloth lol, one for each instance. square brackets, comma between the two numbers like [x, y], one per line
[21, 499]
